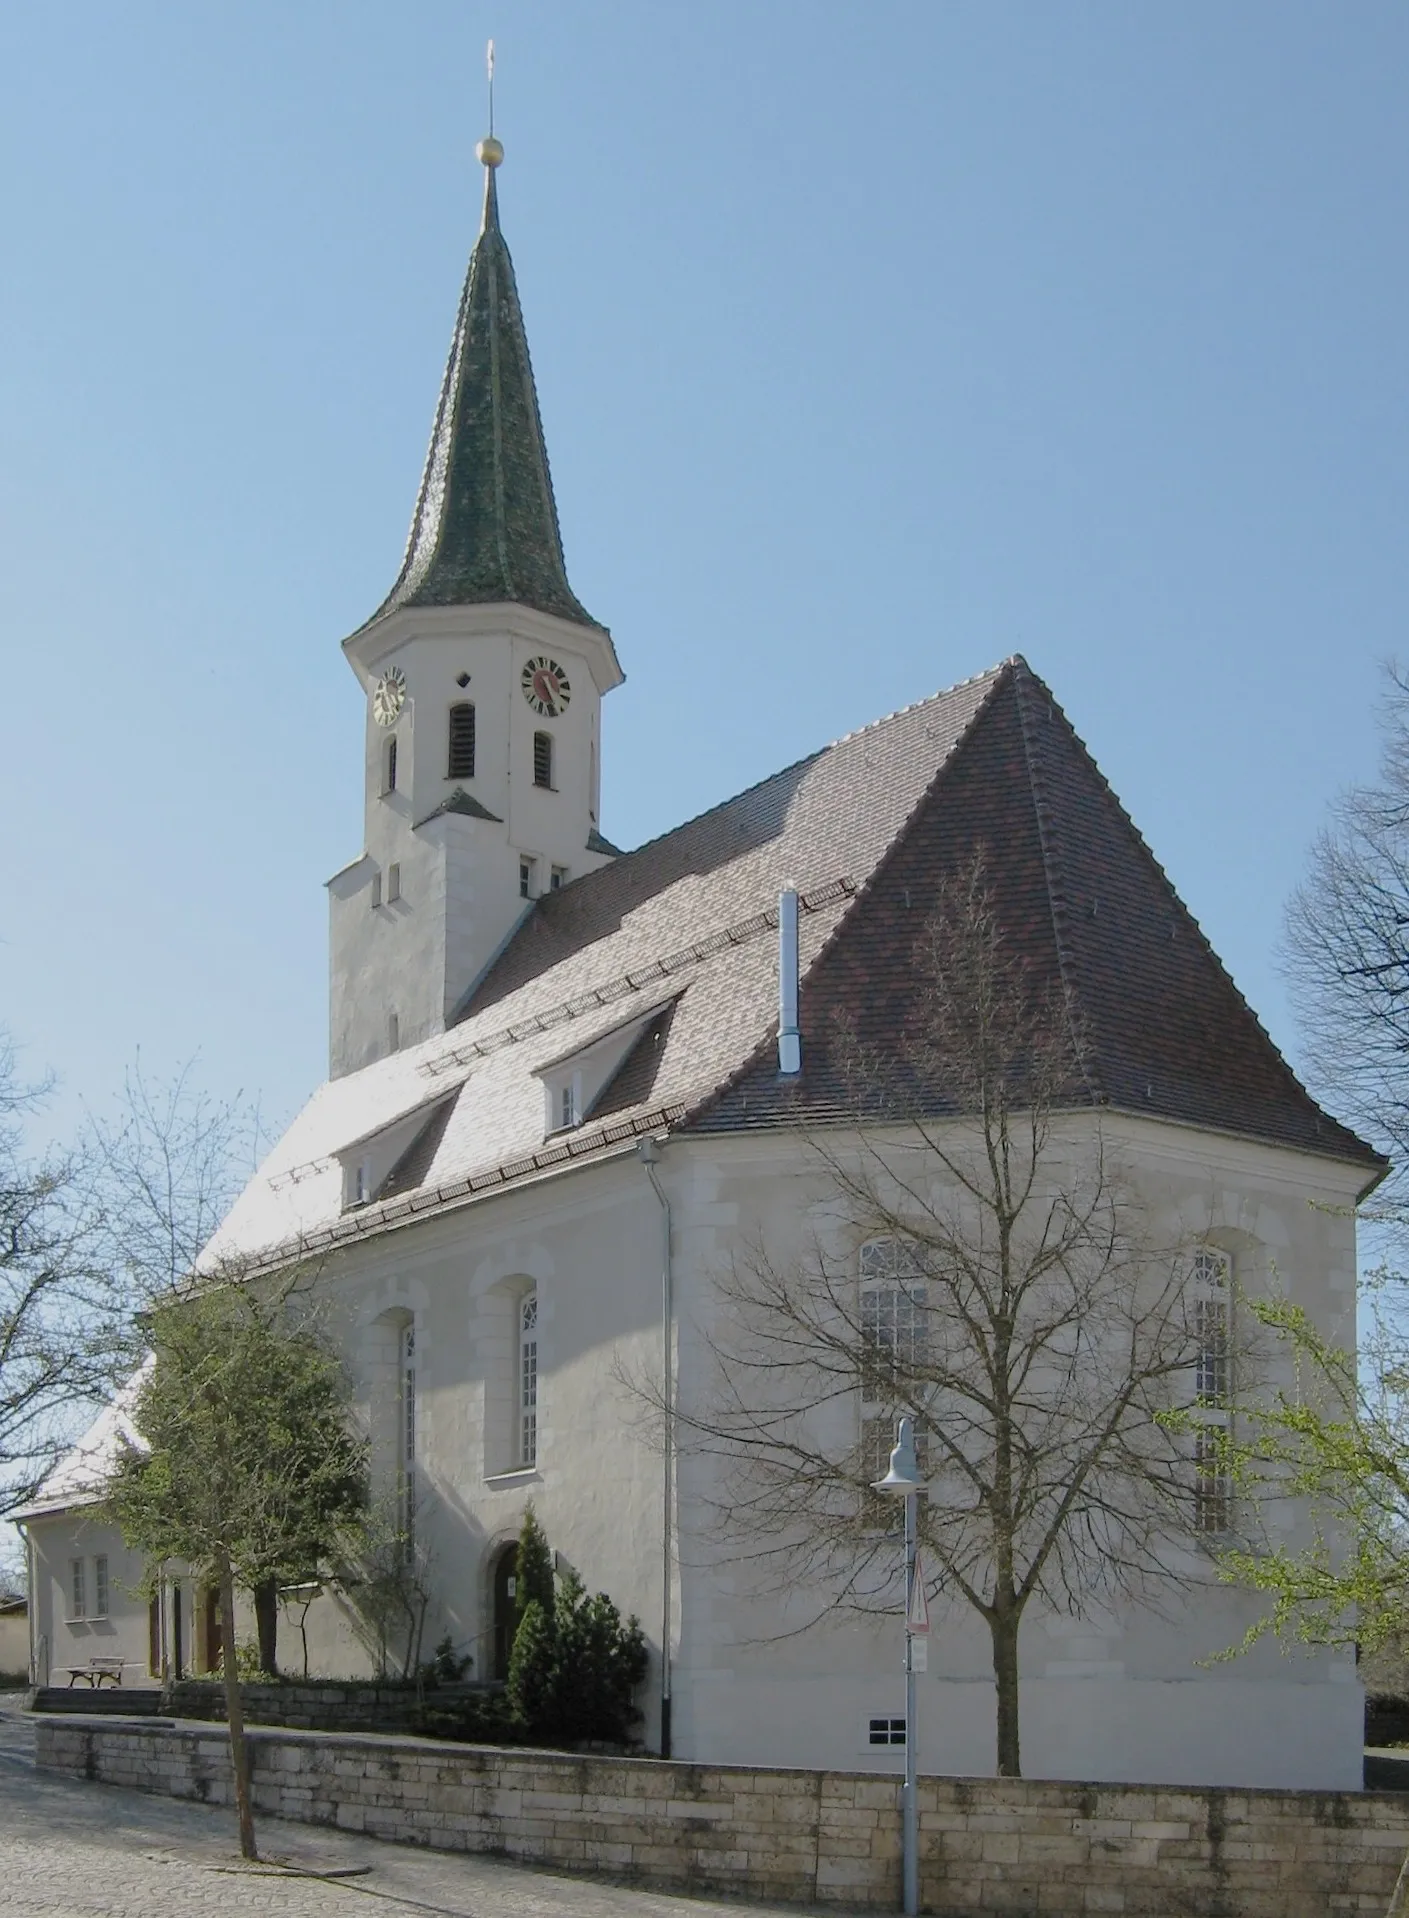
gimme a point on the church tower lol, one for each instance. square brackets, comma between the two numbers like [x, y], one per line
[483, 676]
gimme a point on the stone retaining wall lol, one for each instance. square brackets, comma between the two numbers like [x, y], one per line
[312, 1706]
[1020, 1846]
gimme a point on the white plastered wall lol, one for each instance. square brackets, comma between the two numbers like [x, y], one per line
[418, 955]
[1121, 1694]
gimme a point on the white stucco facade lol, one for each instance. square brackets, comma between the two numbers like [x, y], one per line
[1123, 1693]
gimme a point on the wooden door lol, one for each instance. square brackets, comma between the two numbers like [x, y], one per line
[505, 1608]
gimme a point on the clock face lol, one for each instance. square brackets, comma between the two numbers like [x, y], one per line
[389, 697]
[545, 686]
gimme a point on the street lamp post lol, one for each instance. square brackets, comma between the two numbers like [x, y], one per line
[904, 1481]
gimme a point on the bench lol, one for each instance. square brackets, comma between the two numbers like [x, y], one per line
[95, 1671]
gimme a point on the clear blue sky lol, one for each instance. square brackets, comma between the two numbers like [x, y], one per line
[874, 342]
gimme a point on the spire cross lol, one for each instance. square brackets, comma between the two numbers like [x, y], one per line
[489, 66]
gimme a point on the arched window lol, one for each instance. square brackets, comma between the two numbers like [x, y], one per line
[461, 763]
[1210, 1309]
[407, 1436]
[894, 1356]
[543, 760]
[389, 767]
[528, 1380]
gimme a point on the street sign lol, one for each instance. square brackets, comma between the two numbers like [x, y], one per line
[917, 1618]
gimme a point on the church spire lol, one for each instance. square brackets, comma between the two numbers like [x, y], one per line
[485, 526]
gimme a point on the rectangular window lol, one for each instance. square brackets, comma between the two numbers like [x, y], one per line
[77, 1589]
[393, 882]
[567, 1107]
[100, 1586]
[557, 877]
[376, 889]
[461, 764]
[543, 760]
[393, 1032]
[887, 1731]
[389, 767]
[528, 1381]
[526, 878]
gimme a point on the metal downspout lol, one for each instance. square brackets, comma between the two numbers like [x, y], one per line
[648, 1151]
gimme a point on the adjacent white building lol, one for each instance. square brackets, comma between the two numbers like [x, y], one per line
[556, 1113]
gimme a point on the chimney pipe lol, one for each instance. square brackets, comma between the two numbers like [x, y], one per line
[789, 1038]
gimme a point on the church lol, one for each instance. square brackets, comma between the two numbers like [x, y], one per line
[569, 1085]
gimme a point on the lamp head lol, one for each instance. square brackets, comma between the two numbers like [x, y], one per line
[904, 1473]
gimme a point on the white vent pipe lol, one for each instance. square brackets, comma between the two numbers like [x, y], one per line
[789, 1038]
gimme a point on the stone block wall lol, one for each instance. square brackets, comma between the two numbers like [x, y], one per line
[312, 1706]
[987, 1845]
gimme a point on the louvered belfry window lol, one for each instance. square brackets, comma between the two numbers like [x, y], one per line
[543, 759]
[462, 741]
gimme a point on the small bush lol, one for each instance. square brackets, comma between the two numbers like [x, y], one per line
[443, 1667]
[573, 1673]
[485, 1718]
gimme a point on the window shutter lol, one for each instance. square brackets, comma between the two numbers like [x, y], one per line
[462, 741]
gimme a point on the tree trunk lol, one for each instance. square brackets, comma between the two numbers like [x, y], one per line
[1003, 1626]
[266, 1618]
[234, 1712]
[1399, 1902]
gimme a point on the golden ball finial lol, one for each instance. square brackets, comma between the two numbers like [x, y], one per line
[490, 152]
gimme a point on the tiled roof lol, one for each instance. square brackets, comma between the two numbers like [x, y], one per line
[485, 528]
[1081, 898]
[687, 925]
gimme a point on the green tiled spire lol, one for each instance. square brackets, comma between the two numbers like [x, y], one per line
[485, 526]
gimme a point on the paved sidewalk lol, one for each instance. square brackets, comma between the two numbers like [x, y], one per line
[73, 1850]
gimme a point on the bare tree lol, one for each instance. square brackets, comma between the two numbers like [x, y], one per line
[165, 1167]
[65, 1340]
[1347, 950]
[982, 1267]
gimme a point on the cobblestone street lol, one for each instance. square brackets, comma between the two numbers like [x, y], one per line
[68, 1850]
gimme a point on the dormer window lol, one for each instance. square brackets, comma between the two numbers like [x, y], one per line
[389, 767]
[461, 761]
[575, 1082]
[564, 1101]
[543, 760]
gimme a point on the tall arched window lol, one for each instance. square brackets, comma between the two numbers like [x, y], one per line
[528, 1380]
[543, 759]
[407, 1437]
[893, 1320]
[1211, 1273]
[461, 762]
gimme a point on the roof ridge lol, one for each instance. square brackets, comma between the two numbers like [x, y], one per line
[1024, 682]
[1178, 903]
[781, 772]
[1000, 674]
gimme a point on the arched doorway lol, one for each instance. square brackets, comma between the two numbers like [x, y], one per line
[505, 1606]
